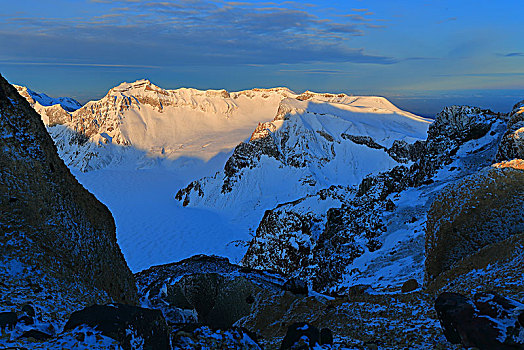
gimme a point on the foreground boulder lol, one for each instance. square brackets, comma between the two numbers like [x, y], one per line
[130, 325]
[203, 337]
[8, 320]
[55, 234]
[304, 336]
[489, 321]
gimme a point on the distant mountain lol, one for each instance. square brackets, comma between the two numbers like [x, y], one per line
[67, 103]
[158, 123]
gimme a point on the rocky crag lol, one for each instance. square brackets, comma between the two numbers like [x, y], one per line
[322, 242]
[58, 243]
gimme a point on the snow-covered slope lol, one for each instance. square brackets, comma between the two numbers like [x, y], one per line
[315, 141]
[140, 121]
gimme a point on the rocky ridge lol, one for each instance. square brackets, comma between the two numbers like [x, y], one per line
[512, 145]
[323, 246]
[313, 142]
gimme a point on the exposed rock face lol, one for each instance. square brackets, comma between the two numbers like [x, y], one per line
[483, 209]
[453, 127]
[355, 228]
[317, 238]
[512, 145]
[287, 235]
[291, 241]
[489, 321]
[304, 336]
[53, 229]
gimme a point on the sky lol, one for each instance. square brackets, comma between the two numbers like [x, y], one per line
[421, 54]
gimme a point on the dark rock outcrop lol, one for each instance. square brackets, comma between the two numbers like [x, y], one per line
[453, 127]
[410, 285]
[302, 335]
[126, 324]
[296, 286]
[354, 228]
[36, 335]
[220, 292]
[8, 320]
[512, 144]
[487, 322]
[54, 226]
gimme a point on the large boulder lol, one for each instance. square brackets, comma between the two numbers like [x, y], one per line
[489, 321]
[218, 300]
[302, 335]
[55, 234]
[480, 210]
[219, 292]
[8, 320]
[132, 326]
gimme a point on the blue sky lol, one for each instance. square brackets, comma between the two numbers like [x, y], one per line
[421, 54]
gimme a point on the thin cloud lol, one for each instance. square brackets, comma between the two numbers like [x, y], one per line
[450, 19]
[513, 54]
[492, 74]
[65, 64]
[187, 32]
[317, 71]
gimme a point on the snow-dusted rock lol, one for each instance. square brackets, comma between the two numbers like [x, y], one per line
[58, 244]
[327, 237]
[132, 326]
[205, 289]
[453, 127]
[512, 145]
[488, 321]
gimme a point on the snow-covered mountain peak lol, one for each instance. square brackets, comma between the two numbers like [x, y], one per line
[138, 84]
[67, 103]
